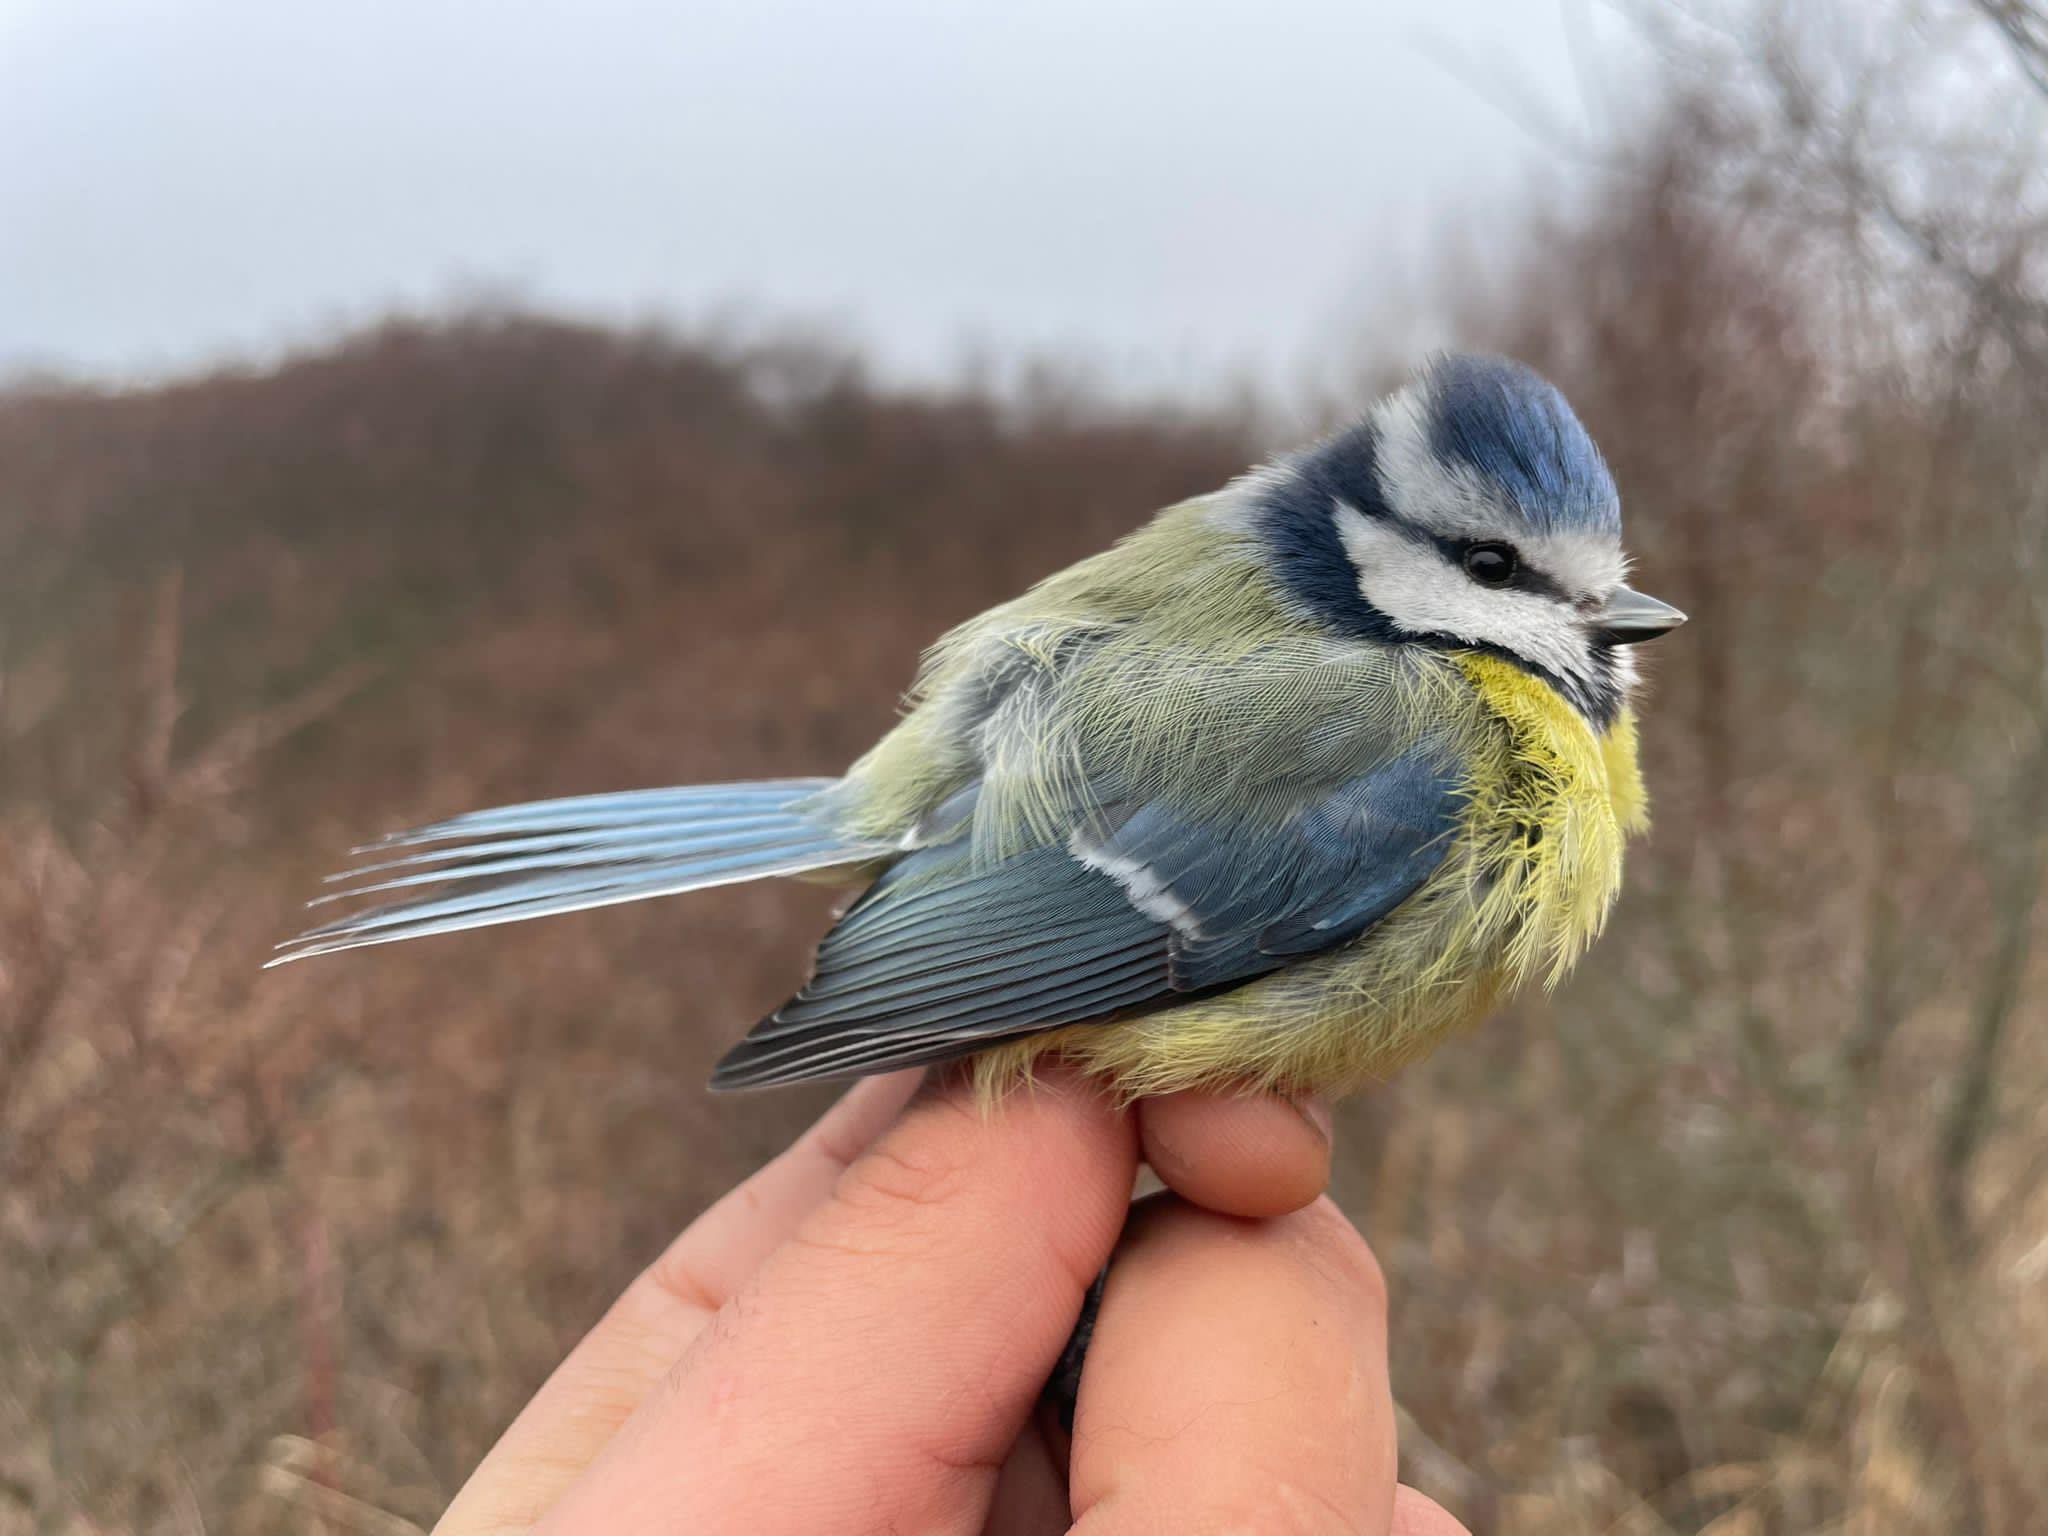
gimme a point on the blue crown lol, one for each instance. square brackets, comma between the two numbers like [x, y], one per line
[1510, 425]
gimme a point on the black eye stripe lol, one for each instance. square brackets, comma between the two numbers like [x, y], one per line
[1526, 578]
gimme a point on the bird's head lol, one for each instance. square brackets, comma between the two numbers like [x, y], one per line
[1468, 510]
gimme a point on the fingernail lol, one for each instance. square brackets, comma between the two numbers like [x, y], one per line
[1315, 1109]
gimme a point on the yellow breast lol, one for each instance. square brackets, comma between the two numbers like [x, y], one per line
[1552, 806]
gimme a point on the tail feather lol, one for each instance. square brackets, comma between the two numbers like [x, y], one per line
[690, 802]
[535, 860]
[594, 839]
[482, 861]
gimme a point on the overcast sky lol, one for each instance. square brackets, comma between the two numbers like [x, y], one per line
[1171, 189]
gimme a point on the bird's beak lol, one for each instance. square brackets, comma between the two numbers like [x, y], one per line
[1629, 618]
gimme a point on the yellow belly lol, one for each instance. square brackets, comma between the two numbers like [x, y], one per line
[1534, 868]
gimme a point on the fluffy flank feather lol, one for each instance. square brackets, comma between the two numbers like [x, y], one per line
[1535, 870]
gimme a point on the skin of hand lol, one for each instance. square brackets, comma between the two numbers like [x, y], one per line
[855, 1339]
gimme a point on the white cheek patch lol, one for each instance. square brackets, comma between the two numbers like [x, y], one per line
[1421, 592]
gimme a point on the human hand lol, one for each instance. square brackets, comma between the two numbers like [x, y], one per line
[855, 1339]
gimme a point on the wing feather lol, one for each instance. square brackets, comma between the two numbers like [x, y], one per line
[1140, 906]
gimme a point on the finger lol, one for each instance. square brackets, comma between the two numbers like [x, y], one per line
[1237, 1379]
[648, 1328]
[1417, 1514]
[1251, 1155]
[723, 1247]
[876, 1370]
[1030, 1496]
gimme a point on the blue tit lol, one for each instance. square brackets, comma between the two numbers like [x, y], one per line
[1273, 794]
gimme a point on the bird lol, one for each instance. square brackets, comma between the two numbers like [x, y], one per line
[1273, 795]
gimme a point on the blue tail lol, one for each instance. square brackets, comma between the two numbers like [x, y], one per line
[522, 861]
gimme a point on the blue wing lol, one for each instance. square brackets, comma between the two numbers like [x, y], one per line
[1142, 906]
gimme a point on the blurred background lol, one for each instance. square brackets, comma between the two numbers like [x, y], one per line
[409, 408]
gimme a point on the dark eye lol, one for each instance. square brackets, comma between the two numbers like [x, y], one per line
[1491, 565]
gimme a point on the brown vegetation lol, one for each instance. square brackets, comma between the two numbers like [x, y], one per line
[1744, 1230]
